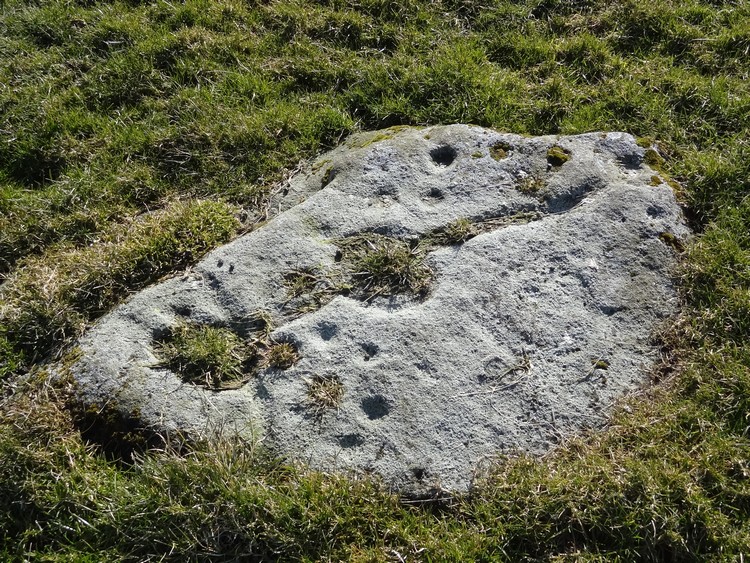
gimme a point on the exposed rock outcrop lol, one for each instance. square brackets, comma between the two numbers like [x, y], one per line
[442, 294]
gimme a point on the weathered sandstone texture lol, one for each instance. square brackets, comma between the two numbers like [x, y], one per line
[510, 339]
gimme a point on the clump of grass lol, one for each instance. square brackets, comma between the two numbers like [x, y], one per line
[386, 266]
[281, 355]
[211, 356]
[324, 392]
[309, 289]
[11, 359]
[557, 156]
[300, 282]
[120, 437]
[456, 232]
[261, 324]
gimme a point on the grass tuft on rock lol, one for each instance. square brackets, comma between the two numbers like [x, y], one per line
[382, 265]
[324, 393]
[457, 232]
[282, 355]
[211, 356]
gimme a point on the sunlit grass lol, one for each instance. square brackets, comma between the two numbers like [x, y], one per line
[135, 136]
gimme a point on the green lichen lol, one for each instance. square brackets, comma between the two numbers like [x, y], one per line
[645, 142]
[366, 139]
[601, 364]
[500, 150]
[557, 156]
[320, 164]
[653, 159]
[328, 175]
[656, 161]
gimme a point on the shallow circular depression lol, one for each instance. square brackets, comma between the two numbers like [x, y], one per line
[443, 155]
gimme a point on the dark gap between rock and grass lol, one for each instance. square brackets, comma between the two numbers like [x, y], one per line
[121, 438]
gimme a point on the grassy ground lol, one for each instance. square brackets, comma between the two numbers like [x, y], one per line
[134, 136]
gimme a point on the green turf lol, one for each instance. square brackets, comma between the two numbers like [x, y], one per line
[135, 136]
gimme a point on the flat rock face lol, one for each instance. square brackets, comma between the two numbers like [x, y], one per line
[510, 339]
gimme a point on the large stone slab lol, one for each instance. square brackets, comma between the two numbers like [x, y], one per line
[523, 334]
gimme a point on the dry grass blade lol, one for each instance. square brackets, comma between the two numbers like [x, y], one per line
[324, 392]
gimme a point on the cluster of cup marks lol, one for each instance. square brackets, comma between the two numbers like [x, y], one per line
[374, 406]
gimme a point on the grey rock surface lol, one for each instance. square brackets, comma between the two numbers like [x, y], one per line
[529, 331]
